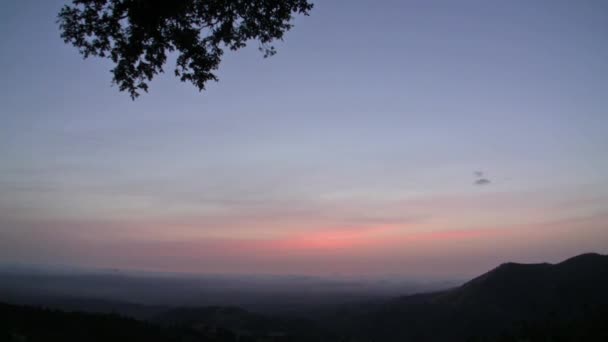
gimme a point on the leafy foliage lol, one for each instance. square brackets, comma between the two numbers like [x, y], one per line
[137, 34]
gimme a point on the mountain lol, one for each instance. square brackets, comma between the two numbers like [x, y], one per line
[532, 287]
[564, 302]
[502, 302]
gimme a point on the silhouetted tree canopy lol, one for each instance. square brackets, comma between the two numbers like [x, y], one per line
[137, 34]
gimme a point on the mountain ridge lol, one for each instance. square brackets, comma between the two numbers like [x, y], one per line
[495, 302]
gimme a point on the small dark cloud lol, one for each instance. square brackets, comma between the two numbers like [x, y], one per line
[482, 181]
[478, 174]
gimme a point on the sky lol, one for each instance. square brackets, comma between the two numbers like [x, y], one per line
[385, 138]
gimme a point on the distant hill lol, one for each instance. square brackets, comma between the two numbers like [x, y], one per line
[209, 324]
[28, 324]
[564, 302]
[246, 324]
[233, 318]
[531, 287]
[502, 302]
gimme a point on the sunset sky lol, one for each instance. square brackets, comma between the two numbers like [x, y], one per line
[409, 138]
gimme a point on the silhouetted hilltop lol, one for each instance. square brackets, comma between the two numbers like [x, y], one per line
[585, 263]
[578, 279]
[497, 302]
[589, 264]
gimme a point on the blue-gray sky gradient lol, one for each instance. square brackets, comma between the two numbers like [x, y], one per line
[359, 137]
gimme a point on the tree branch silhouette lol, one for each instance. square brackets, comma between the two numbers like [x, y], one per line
[137, 35]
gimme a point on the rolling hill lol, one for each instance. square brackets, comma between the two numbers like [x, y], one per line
[502, 302]
[564, 302]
